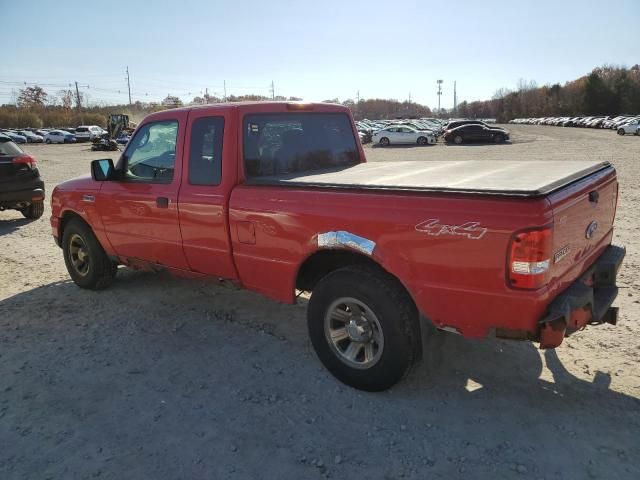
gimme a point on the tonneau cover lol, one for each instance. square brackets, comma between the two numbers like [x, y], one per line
[496, 177]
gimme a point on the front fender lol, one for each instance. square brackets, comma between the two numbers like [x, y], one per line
[68, 204]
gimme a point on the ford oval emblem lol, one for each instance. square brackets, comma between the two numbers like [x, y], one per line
[591, 229]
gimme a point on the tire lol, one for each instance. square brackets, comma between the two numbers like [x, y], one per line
[621, 131]
[33, 211]
[384, 141]
[499, 138]
[48, 141]
[458, 140]
[87, 263]
[387, 320]
[422, 141]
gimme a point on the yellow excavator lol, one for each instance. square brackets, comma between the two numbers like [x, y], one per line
[117, 124]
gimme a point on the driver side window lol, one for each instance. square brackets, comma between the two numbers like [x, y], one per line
[151, 154]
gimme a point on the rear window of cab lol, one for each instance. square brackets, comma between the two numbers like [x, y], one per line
[291, 143]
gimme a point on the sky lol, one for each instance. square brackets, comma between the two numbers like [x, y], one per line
[314, 50]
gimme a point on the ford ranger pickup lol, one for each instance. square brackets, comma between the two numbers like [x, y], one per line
[277, 198]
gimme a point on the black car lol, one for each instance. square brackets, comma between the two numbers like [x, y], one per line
[476, 133]
[458, 123]
[21, 187]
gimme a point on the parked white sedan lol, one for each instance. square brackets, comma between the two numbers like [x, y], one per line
[631, 127]
[59, 136]
[403, 135]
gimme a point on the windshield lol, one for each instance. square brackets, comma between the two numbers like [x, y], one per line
[297, 142]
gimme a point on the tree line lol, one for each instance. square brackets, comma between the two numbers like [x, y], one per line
[606, 90]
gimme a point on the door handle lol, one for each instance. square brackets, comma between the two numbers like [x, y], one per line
[162, 202]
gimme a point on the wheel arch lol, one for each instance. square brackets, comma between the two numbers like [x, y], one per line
[100, 235]
[65, 218]
[322, 262]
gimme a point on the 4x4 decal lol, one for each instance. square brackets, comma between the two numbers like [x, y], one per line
[471, 230]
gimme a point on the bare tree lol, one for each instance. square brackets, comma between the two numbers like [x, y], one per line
[31, 97]
[67, 98]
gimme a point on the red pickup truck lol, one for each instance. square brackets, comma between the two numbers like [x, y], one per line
[277, 198]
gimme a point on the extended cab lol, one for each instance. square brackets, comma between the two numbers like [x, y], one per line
[277, 198]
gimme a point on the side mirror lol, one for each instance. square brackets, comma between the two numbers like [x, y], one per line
[102, 170]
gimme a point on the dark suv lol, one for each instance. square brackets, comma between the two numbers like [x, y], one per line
[21, 187]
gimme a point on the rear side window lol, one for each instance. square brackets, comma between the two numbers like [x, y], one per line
[291, 143]
[9, 148]
[205, 157]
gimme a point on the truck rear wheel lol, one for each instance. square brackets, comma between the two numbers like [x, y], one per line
[87, 263]
[364, 327]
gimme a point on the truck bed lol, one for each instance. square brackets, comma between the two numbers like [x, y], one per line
[497, 177]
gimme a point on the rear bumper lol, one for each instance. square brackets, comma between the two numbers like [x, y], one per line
[26, 195]
[586, 302]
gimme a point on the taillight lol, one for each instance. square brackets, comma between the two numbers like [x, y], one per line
[25, 160]
[530, 259]
[615, 205]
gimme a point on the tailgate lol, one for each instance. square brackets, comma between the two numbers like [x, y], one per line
[583, 214]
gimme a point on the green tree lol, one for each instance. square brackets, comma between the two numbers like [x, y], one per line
[598, 99]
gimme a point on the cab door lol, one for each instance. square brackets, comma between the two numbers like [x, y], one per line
[209, 174]
[140, 210]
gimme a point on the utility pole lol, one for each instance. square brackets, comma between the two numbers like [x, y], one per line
[455, 99]
[77, 98]
[225, 89]
[128, 84]
[409, 97]
[439, 93]
[78, 103]
[206, 95]
[273, 91]
[358, 96]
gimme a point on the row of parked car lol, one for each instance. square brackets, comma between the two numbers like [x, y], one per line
[622, 124]
[426, 131]
[57, 135]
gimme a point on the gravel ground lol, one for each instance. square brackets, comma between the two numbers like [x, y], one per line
[159, 378]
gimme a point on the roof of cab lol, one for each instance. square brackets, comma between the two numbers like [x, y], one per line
[263, 105]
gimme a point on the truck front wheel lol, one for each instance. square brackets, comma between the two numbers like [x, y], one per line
[364, 327]
[87, 263]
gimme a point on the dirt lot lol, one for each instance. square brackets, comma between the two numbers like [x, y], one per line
[158, 378]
